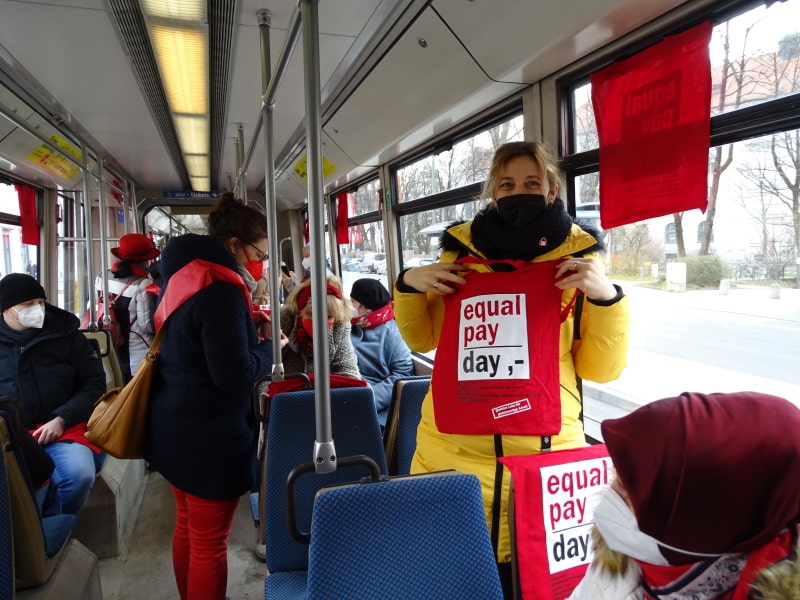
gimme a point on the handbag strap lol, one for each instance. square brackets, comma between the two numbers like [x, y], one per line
[153, 350]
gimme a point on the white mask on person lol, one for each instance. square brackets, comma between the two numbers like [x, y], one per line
[618, 526]
[307, 263]
[31, 316]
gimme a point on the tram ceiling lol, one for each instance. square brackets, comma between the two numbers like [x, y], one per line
[393, 74]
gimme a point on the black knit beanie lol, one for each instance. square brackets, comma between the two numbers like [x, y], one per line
[370, 293]
[16, 288]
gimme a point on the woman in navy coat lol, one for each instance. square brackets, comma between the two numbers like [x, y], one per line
[201, 431]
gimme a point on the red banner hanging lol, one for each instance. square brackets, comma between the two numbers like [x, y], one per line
[342, 214]
[653, 114]
[27, 214]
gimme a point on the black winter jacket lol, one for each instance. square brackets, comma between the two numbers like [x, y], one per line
[201, 432]
[54, 370]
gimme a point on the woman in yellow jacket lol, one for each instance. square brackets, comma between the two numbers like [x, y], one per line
[525, 221]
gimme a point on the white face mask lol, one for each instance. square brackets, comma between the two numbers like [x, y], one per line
[307, 263]
[31, 316]
[618, 526]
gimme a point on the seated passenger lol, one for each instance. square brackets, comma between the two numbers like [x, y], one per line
[48, 364]
[298, 356]
[706, 502]
[383, 356]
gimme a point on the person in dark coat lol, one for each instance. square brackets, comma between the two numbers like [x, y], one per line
[201, 433]
[383, 356]
[48, 364]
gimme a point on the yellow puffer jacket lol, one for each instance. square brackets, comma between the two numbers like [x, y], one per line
[600, 357]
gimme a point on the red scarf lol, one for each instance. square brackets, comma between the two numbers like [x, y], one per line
[726, 578]
[372, 319]
[76, 433]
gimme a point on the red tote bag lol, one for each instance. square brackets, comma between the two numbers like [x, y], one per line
[496, 369]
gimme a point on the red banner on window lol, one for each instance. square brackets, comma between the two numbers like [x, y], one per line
[653, 114]
[342, 213]
[27, 215]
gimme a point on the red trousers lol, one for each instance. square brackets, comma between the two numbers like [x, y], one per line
[200, 545]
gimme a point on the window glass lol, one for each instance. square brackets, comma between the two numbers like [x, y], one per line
[364, 256]
[465, 163]
[699, 284]
[420, 232]
[17, 257]
[755, 57]
[365, 199]
[583, 123]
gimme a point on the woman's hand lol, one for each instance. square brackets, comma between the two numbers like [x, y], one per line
[50, 431]
[587, 275]
[437, 278]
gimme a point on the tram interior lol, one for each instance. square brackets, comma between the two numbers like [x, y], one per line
[88, 113]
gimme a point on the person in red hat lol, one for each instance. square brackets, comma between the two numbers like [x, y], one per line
[127, 289]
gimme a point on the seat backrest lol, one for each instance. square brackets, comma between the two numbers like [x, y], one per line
[400, 438]
[6, 537]
[423, 536]
[290, 442]
[108, 353]
[37, 541]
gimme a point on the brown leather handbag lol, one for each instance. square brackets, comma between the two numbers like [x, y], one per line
[119, 419]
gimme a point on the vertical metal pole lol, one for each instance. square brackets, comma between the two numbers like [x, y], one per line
[126, 198]
[88, 227]
[102, 213]
[269, 193]
[136, 228]
[324, 451]
[270, 204]
[240, 163]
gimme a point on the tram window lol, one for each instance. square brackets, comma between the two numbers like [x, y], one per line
[755, 58]
[420, 232]
[730, 320]
[365, 199]
[465, 163]
[723, 326]
[364, 255]
[758, 55]
[17, 257]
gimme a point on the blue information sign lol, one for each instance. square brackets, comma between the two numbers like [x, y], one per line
[190, 194]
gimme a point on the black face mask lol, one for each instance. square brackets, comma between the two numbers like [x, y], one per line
[520, 210]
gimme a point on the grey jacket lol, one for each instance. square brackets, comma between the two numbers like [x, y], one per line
[341, 355]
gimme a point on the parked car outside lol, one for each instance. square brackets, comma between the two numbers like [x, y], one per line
[370, 261]
[351, 263]
[418, 261]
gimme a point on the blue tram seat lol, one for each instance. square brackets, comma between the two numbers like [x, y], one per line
[290, 442]
[400, 438]
[37, 541]
[422, 536]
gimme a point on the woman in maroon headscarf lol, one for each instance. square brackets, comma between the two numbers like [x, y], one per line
[706, 503]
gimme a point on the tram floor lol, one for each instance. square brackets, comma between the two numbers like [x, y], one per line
[146, 572]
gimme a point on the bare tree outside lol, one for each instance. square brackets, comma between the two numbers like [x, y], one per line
[635, 249]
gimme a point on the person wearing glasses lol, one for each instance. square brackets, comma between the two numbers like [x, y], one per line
[201, 433]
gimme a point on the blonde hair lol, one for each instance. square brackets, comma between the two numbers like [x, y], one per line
[338, 309]
[541, 152]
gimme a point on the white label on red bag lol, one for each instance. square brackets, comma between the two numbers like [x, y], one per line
[570, 494]
[493, 334]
